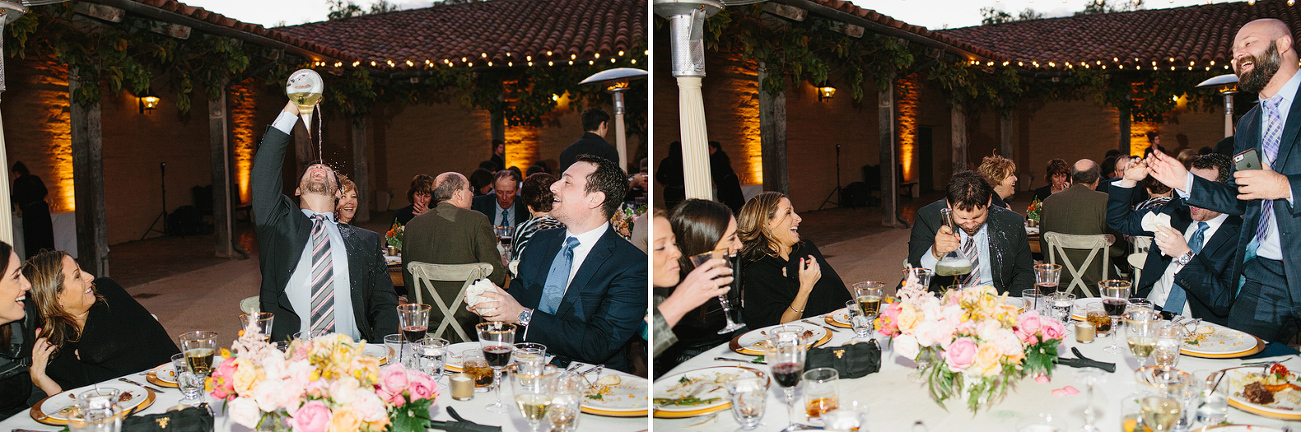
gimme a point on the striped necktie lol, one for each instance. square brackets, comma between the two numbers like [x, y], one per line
[969, 250]
[1269, 144]
[322, 278]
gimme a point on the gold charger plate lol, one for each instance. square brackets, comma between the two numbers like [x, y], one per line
[835, 322]
[39, 415]
[709, 410]
[1260, 346]
[735, 343]
[605, 413]
[1263, 413]
[153, 379]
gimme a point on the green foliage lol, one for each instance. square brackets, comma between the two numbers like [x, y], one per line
[990, 15]
[1105, 6]
[347, 9]
[976, 88]
[1147, 95]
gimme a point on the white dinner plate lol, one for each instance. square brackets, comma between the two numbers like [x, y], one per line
[713, 380]
[378, 350]
[839, 318]
[628, 396]
[1078, 309]
[1219, 340]
[1286, 405]
[51, 409]
[751, 343]
[165, 373]
[454, 355]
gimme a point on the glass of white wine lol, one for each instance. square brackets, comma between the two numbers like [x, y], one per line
[198, 347]
[533, 394]
[1169, 338]
[1160, 413]
[1140, 333]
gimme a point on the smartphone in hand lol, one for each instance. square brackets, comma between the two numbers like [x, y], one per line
[1247, 160]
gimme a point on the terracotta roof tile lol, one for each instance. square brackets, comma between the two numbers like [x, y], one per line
[1200, 34]
[504, 30]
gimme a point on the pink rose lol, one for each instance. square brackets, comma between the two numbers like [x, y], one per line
[370, 407]
[1029, 325]
[422, 387]
[393, 378]
[960, 354]
[906, 346]
[244, 412]
[313, 416]
[275, 395]
[1053, 330]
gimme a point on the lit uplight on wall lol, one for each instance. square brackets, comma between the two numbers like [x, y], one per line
[906, 99]
[243, 114]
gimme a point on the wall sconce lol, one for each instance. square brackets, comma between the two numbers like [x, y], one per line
[826, 92]
[148, 100]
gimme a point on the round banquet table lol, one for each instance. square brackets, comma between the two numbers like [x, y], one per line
[895, 402]
[472, 410]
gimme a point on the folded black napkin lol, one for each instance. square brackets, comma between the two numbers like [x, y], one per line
[461, 424]
[1082, 362]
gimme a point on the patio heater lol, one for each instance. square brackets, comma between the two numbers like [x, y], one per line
[1227, 85]
[687, 30]
[616, 81]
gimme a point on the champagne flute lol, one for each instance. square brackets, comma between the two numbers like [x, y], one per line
[414, 318]
[699, 260]
[784, 352]
[1115, 296]
[533, 393]
[498, 341]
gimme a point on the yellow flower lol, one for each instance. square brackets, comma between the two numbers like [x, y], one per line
[344, 420]
[909, 317]
[986, 363]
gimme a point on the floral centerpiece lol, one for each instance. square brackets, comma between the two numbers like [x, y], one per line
[623, 218]
[393, 237]
[1032, 213]
[318, 385]
[970, 340]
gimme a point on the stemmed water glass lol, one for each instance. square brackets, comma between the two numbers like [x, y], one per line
[1091, 378]
[498, 342]
[533, 393]
[260, 321]
[1115, 297]
[699, 260]
[414, 318]
[784, 352]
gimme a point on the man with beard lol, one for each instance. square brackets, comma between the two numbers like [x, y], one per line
[1268, 300]
[318, 276]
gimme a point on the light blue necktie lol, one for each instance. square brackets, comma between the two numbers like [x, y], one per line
[1175, 303]
[558, 277]
[505, 218]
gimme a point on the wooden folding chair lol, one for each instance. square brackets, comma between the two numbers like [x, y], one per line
[1096, 244]
[1142, 244]
[424, 274]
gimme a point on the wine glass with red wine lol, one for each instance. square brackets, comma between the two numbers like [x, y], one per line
[414, 319]
[784, 352]
[498, 342]
[1115, 297]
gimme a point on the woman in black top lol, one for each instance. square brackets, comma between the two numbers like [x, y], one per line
[17, 319]
[699, 226]
[784, 279]
[419, 195]
[91, 330]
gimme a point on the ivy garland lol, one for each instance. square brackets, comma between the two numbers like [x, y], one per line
[128, 55]
[810, 51]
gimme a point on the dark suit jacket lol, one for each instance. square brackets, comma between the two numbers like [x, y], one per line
[447, 234]
[487, 204]
[590, 144]
[1011, 264]
[1077, 210]
[1224, 197]
[1207, 279]
[282, 233]
[603, 308]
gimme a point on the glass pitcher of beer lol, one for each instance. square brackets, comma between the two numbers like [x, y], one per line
[954, 263]
[304, 88]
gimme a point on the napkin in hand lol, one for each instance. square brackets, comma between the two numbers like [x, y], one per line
[1153, 221]
[474, 294]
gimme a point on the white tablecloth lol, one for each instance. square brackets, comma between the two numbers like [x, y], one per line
[894, 401]
[473, 410]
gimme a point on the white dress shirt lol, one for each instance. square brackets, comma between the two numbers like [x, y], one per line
[585, 242]
[1161, 290]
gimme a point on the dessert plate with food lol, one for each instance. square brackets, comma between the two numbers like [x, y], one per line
[1273, 392]
[1214, 341]
[698, 392]
[617, 395]
[54, 410]
[753, 342]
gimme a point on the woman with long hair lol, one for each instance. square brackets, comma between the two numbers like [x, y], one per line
[91, 329]
[17, 321]
[699, 226]
[688, 292]
[785, 278]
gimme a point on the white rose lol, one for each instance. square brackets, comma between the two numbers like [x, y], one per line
[244, 411]
[906, 345]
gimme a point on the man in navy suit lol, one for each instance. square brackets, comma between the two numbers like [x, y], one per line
[581, 290]
[501, 205]
[1268, 302]
[1189, 272]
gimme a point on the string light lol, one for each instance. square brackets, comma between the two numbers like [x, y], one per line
[597, 55]
[548, 53]
[620, 53]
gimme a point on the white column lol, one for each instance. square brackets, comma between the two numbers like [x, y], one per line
[695, 150]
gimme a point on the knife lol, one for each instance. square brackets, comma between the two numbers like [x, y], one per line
[741, 360]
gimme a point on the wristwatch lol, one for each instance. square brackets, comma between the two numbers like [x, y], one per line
[525, 316]
[1185, 258]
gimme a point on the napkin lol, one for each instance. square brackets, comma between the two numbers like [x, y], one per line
[474, 294]
[1154, 220]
